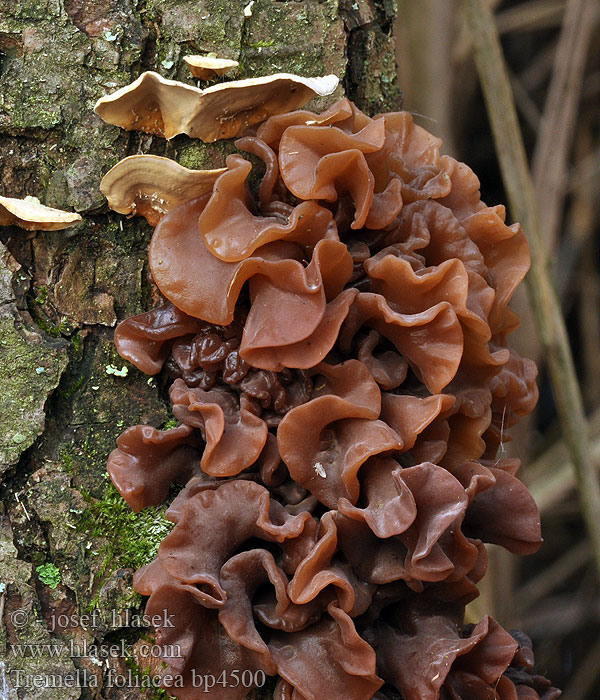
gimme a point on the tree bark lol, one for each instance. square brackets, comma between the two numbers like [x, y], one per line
[68, 544]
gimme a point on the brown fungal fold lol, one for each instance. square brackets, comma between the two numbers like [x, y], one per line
[336, 339]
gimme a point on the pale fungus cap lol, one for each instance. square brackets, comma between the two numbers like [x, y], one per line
[31, 215]
[151, 185]
[209, 67]
[166, 108]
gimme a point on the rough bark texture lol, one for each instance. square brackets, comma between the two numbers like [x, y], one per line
[64, 393]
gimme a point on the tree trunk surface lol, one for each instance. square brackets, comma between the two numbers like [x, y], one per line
[68, 543]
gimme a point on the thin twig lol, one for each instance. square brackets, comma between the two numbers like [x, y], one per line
[571, 276]
[525, 103]
[559, 482]
[535, 14]
[550, 324]
[553, 146]
[20, 502]
[556, 455]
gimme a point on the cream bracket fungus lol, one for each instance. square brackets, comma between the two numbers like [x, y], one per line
[150, 186]
[209, 67]
[30, 214]
[167, 107]
[336, 344]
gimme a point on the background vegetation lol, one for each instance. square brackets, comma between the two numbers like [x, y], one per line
[552, 55]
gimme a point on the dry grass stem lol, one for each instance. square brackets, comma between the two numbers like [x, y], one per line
[550, 324]
[550, 159]
[536, 14]
[525, 104]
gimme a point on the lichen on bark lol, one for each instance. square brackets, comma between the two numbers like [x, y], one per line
[31, 365]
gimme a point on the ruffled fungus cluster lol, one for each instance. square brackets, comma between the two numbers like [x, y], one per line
[334, 324]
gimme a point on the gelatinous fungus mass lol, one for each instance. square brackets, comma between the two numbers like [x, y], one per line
[336, 336]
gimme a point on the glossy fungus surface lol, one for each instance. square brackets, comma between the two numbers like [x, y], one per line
[334, 328]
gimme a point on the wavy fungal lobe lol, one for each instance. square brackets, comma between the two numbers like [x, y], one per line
[334, 330]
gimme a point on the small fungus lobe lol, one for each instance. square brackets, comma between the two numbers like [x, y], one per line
[209, 67]
[31, 215]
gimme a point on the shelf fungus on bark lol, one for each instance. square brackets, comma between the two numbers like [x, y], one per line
[151, 186]
[335, 334]
[209, 67]
[31, 215]
[166, 108]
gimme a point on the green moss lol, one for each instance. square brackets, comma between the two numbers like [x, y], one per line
[37, 9]
[261, 44]
[100, 406]
[132, 539]
[35, 112]
[170, 424]
[72, 389]
[64, 328]
[77, 344]
[193, 156]
[49, 574]
[42, 296]
[32, 100]
[202, 156]
[148, 11]
[67, 462]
